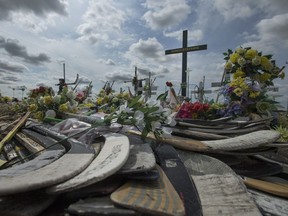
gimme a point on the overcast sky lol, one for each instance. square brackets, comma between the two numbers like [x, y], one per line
[103, 40]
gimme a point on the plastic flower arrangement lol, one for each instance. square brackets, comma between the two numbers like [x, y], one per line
[46, 104]
[145, 116]
[252, 73]
[108, 103]
[198, 110]
[10, 106]
[41, 91]
[169, 98]
[192, 110]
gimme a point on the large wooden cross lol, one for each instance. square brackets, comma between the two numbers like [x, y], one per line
[184, 51]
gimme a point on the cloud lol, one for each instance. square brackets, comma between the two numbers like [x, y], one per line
[194, 35]
[103, 22]
[4, 82]
[11, 78]
[84, 80]
[13, 48]
[274, 27]
[107, 62]
[232, 10]
[165, 14]
[10, 67]
[144, 71]
[119, 77]
[38, 7]
[150, 48]
[269, 33]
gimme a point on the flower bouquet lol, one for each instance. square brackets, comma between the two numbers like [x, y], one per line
[109, 101]
[42, 103]
[252, 74]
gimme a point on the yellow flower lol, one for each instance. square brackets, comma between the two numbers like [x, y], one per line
[256, 60]
[228, 66]
[264, 77]
[74, 110]
[266, 64]
[234, 57]
[250, 54]
[240, 51]
[105, 99]
[126, 95]
[115, 100]
[241, 61]
[237, 82]
[244, 86]
[254, 94]
[39, 115]
[63, 107]
[112, 109]
[33, 108]
[7, 99]
[238, 92]
[99, 101]
[48, 100]
[102, 93]
[282, 75]
[238, 73]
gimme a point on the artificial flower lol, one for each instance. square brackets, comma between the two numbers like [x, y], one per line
[252, 74]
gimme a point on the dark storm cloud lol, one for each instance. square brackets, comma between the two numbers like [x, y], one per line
[6, 66]
[10, 78]
[38, 7]
[145, 72]
[4, 82]
[13, 48]
[118, 77]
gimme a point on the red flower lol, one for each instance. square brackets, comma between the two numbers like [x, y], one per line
[169, 84]
[193, 110]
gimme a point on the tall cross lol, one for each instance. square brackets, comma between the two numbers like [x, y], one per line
[184, 51]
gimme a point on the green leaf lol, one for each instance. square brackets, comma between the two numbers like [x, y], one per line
[162, 96]
[153, 109]
[225, 53]
[134, 101]
[144, 133]
[268, 56]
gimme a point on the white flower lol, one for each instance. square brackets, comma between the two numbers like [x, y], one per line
[41, 100]
[256, 61]
[70, 94]
[170, 121]
[138, 115]
[50, 113]
[167, 130]
[241, 61]
[73, 104]
[56, 99]
[152, 102]
[240, 50]
[141, 124]
[115, 100]
[155, 125]
[166, 112]
[123, 108]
